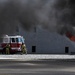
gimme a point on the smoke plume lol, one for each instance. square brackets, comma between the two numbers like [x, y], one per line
[54, 15]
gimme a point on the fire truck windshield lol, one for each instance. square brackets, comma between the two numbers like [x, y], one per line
[20, 40]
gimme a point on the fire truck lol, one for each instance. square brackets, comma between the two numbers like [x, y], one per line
[15, 43]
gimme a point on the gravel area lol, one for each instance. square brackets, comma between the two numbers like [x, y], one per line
[37, 56]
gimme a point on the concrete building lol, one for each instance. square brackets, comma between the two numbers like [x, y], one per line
[42, 41]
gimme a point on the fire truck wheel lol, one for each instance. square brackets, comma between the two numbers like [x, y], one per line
[3, 52]
[19, 53]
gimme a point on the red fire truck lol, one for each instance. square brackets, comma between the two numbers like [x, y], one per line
[15, 43]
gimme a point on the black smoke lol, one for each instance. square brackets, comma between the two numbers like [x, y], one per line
[54, 15]
[66, 16]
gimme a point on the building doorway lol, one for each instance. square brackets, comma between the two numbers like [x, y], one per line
[33, 49]
[66, 49]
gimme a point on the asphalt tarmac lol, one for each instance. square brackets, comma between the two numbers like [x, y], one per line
[37, 67]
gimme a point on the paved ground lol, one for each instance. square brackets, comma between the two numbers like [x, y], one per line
[38, 67]
[37, 64]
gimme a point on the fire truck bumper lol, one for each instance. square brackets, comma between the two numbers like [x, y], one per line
[15, 49]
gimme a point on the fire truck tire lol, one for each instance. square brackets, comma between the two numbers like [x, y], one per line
[19, 53]
[3, 52]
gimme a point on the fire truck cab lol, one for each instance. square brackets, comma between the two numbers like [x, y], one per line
[15, 43]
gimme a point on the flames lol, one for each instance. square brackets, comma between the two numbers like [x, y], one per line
[70, 36]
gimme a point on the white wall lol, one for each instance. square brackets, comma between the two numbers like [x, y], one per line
[46, 42]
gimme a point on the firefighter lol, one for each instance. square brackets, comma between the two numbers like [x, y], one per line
[23, 47]
[7, 49]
